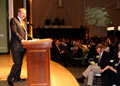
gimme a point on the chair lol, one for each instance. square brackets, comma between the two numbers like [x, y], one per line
[77, 57]
[77, 61]
[97, 80]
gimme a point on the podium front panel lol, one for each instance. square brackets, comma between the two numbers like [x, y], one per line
[38, 63]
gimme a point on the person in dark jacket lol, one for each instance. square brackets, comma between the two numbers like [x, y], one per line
[96, 66]
[18, 34]
[114, 74]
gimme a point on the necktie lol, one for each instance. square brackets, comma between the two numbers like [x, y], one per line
[99, 59]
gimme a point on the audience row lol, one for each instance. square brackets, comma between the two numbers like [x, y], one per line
[102, 55]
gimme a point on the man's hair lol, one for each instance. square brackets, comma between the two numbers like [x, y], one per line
[100, 45]
[19, 10]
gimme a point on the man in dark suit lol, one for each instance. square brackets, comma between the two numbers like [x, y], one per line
[18, 34]
[100, 63]
[55, 51]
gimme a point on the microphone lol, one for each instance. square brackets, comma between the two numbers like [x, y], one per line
[30, 24]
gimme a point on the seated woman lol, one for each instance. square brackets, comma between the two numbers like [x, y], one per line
[115, 71]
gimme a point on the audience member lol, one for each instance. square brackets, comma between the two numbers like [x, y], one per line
[114, 75]
[77, 52]
[106, 46]
[117, 48]
[55, 51]
[96, 66]
[92, 51]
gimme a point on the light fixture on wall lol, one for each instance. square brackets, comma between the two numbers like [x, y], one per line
[60, 3]
[110, 28]
[118, 28]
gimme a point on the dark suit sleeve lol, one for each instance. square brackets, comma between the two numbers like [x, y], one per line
[13, 25]
[105, 60]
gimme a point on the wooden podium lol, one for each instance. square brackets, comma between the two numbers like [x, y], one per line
[38, 61]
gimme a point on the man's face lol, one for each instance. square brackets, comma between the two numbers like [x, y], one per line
[119, 54]
[22, 14]
[57, 42]
[118, 46]
[99, 50]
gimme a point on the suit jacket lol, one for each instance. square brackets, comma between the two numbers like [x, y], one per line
[114, 78]
[117, 76]
[105, 60]
[17, 34]
[54, 51]
[63, 47]
[92, 52]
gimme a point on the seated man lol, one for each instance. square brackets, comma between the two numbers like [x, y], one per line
[99, 63]
[114, 71]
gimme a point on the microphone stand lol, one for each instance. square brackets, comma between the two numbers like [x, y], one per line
[37, 32]
[34, 27]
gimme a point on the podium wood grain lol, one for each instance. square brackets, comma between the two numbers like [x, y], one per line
[38, 62]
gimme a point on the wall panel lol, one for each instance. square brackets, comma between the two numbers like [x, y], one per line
[73, 11]
[3, 27]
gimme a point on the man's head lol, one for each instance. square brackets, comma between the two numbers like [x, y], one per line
[119, 54]
[99, 48]
[22, 13]
[119, 46]
[57, 42]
